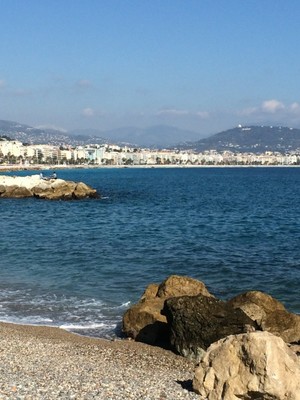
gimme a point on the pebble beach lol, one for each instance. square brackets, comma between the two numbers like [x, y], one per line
[49, 363]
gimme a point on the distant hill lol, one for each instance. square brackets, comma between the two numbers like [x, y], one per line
[255, 139]
[153, 137]
[157, 136]
[28, 134]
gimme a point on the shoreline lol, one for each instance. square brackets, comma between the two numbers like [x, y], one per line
[41, 167]
[39, 362]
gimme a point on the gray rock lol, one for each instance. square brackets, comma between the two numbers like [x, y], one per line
[196, 322]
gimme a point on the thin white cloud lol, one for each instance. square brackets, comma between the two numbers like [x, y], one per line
[172, 111]
[83, 83]
[272, 106]
[249, 111]
[21, 92]
[274, 111]
[13, 91]
[88, 112]
[181, 113]
[50, 126]
[202, 114]
[295, 108]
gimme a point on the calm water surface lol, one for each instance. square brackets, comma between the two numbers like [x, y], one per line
[80, 264]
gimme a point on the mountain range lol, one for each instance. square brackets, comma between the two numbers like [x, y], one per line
[251, 138]
[155, 136]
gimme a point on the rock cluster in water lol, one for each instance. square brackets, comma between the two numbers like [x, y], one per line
[38, 187]
[243, 346]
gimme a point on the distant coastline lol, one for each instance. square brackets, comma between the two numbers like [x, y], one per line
[41, 167]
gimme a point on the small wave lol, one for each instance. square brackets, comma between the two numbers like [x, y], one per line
[123, 305]
[88, 326]
[27, 321]
[86, 316]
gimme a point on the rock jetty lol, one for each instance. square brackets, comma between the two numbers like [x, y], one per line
[41, 188]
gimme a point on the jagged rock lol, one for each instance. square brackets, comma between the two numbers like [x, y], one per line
[295, 348]
[150, 292]
[51, 189]
[269, 314]
[251, 366]
[42, 191]
[16, 192]
[80, 190]
[196, 322]
[2, 189]
[144, 321]
[175, 286]
[283, 324]
[58, 190]
[256, 304]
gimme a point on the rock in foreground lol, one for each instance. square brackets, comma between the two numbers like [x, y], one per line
[255, 365]
[50, 189]
[144, 321]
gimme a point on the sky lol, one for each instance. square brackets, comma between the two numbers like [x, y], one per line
[199, 65]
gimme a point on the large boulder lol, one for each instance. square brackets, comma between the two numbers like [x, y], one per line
[283, 324]
[196, 322]
[269, 314]
[251, 366]
[176, 285]
[144, 321]
[257, 305]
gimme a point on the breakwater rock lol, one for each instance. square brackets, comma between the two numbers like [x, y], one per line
[38, 187]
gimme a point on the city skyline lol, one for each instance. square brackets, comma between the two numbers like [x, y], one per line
[203, 66]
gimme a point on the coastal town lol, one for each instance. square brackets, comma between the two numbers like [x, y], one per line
[14, 152]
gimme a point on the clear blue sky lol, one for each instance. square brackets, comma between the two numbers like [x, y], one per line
[203, 65]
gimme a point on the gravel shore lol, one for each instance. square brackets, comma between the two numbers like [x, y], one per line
[50, 363]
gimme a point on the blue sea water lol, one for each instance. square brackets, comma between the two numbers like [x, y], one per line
[80, 264]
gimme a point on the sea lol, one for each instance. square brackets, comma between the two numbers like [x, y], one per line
[79, 265]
